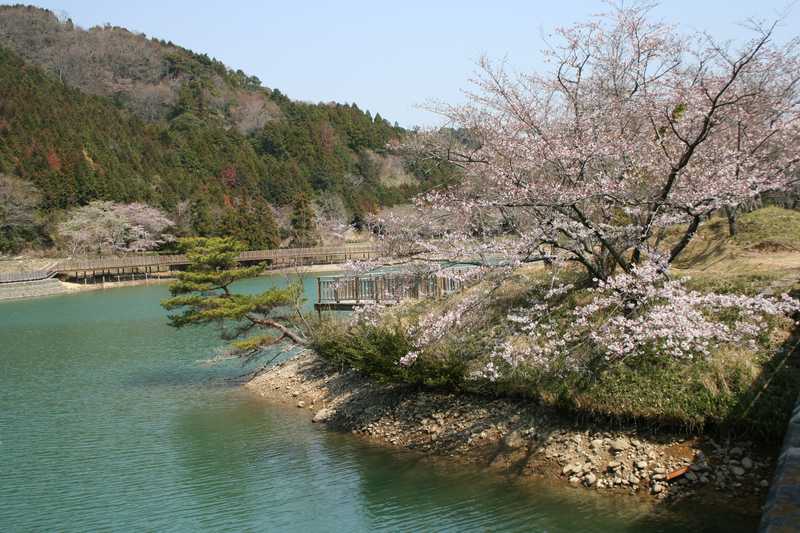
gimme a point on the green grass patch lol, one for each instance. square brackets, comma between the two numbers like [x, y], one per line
[747, 389]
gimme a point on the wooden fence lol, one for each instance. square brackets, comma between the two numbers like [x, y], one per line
[100, 267]
[346, 292]
[144, 263]
[18, 277]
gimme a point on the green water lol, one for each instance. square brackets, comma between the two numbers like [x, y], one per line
[108, 422]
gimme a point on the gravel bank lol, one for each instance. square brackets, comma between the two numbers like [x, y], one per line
[520, 438]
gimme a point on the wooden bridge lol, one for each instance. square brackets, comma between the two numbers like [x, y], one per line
[119, 267]
[341, 293]
[19, 277]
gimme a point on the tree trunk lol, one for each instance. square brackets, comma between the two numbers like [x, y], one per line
[732, 213]
[687, 237]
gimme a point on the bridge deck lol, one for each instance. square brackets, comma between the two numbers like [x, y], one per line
[282, 255]
[148, 263]
[18, 277]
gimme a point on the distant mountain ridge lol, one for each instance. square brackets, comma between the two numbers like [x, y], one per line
[110, 114]
[147, 75]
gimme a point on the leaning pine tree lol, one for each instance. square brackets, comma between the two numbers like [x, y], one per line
[253, 322]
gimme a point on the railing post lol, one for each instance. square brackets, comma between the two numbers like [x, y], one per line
[358, 289]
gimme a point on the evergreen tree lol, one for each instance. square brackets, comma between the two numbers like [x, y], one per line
[253, 322]
[202, 222]
[304, 224]
[252, 224]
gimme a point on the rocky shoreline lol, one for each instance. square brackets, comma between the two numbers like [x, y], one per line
[520, 438]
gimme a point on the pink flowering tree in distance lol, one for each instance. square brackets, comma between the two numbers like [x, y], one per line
[104, 227]
[611, 159]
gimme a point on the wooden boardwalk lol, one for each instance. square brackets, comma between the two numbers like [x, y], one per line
[341, 293]
[155, 264]
[20, 277]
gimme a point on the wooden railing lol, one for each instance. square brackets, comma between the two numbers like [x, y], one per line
[149, 263]
[18, 277]
[386, 288]
[282, 256]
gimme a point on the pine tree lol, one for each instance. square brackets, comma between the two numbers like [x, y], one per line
[252, 224]
[203, 295]
[202, 222]
[304, 224]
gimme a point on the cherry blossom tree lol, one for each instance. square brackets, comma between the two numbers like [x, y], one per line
[612, 159]
[635, 129]
[106, 227]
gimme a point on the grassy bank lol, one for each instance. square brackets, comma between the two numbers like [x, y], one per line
[746, 389]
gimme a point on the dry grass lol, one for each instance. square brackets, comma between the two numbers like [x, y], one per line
[736, 387]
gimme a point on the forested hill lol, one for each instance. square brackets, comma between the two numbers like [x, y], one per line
[110, 114]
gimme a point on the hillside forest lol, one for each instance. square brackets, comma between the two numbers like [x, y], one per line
[108, 115]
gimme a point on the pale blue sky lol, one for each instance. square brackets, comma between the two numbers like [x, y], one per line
[387, 57]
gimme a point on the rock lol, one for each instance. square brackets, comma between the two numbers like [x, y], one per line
[700, 456]
[589, 480]
[571, 469]
[641, 465]
[747, 463]
[574, 480]
[514, 440]
[323, 415]
[736, 452]
[660, 470]
[658, 477]
[763, 483]
[738, 471]
[597, 444]
[633, 479]
[658, 488]
[691, 476]
[614, 465]
[301, 404]
[619, 445]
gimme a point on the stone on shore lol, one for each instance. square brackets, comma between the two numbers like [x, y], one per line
[619, 445]
[323, 415]
[514, 440]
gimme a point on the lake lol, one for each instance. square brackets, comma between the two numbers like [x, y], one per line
[110, 421]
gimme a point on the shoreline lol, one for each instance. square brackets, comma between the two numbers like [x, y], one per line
[522, 439]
